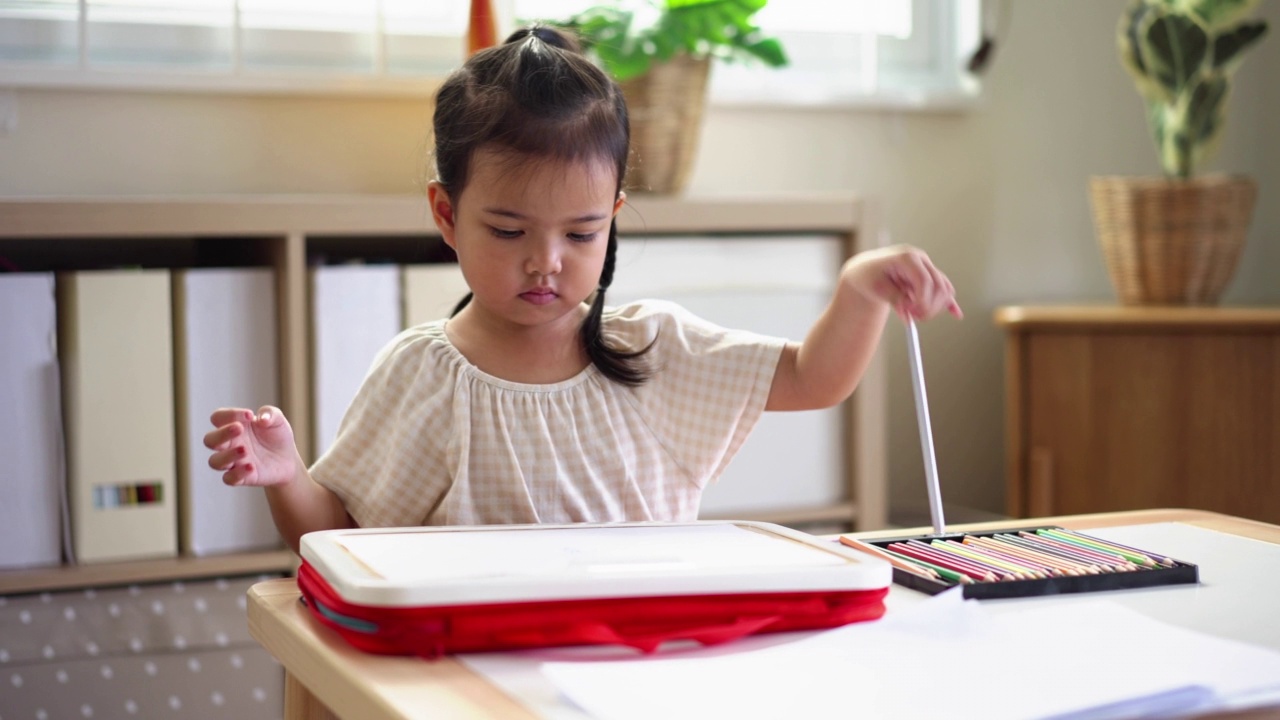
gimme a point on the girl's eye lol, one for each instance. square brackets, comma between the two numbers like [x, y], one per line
[505, 234]
[582, 237]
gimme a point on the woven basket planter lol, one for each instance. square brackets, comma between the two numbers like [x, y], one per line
[665, 106]
[1172, 242]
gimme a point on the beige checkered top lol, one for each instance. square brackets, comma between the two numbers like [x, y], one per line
[432, 440]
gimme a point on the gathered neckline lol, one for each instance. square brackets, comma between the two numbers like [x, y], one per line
[490, 379]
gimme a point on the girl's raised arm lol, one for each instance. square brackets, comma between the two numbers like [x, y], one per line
[824, 369]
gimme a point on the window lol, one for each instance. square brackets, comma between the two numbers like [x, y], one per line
[899, 52]
[367, 46]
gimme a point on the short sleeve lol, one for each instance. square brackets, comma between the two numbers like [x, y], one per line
[709, 385]
[387, 464]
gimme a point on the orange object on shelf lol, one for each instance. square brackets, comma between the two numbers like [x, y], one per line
[482, 27]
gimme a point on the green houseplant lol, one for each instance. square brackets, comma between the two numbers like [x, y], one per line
[1177, 239]
[660, 52]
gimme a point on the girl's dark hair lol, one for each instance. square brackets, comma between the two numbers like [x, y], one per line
[538, 95]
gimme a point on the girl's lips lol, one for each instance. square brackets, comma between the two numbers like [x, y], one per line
[539, 296]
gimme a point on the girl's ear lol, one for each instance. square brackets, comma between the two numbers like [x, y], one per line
[617, 205]
[442, 210]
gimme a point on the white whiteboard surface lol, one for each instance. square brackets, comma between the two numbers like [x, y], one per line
[458, 565]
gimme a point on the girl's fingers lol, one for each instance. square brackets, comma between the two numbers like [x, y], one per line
[218, 439]
[226, 459]
[934, 294]
[226, 416]
[942, 291]
[239, 475]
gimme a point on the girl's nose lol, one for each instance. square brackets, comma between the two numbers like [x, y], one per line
[544, 259]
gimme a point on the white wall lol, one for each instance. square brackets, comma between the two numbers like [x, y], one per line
[996, 194]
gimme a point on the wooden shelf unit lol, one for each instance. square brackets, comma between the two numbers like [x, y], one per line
[1111, 408]
[144, 571]
[283, 232]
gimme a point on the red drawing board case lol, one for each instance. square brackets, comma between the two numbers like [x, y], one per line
[429, 591]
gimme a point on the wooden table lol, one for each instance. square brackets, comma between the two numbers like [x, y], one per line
[323, 673]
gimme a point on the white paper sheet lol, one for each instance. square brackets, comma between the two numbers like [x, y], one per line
[1231, 603]
[944, 658]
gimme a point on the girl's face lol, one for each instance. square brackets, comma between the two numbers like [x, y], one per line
[530, 234]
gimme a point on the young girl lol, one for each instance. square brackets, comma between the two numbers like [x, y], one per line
[535, 402]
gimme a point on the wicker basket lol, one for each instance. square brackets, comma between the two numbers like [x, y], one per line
[665, 105]
[1172, 242]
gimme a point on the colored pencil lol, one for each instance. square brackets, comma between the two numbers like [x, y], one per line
[1065, 551]
[1088, 566]
[1063, 564]
[1008, 550]
[891, 559]
[1160, 559]
[1135, 556]
[1019, 571]
[1109, 563]
[999, 573]
[1090, 547]
[950, 575]
[1114, 563]
[954, 565]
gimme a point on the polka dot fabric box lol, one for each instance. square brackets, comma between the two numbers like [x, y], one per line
[178, 650]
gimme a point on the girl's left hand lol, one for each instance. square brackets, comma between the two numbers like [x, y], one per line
[905, 278]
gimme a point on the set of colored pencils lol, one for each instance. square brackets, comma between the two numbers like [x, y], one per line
[1022, 555]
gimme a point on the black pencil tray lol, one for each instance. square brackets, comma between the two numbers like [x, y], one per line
[1180, 574]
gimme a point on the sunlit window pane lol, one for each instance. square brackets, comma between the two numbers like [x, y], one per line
[335, 35]
[856, 17]
[880, 17]
[39, 31]
[346, 15]
[169, 33]
[162, 12]
[551, 9]
[415, 17]
[423, 38]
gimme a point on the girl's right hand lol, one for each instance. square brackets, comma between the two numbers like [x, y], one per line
[255, 450]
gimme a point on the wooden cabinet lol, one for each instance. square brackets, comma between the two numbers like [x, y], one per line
[1120, 408]
[290, 233]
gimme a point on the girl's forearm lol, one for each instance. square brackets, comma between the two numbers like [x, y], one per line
[825, 369]
[303, 505]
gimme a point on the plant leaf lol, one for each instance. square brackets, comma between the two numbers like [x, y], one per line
[1228, 46]
[701, 28]
[767, 50]
[1129, 33]
[1217, 14]
[1178, 47]
[1205, 107]
[750, 7]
